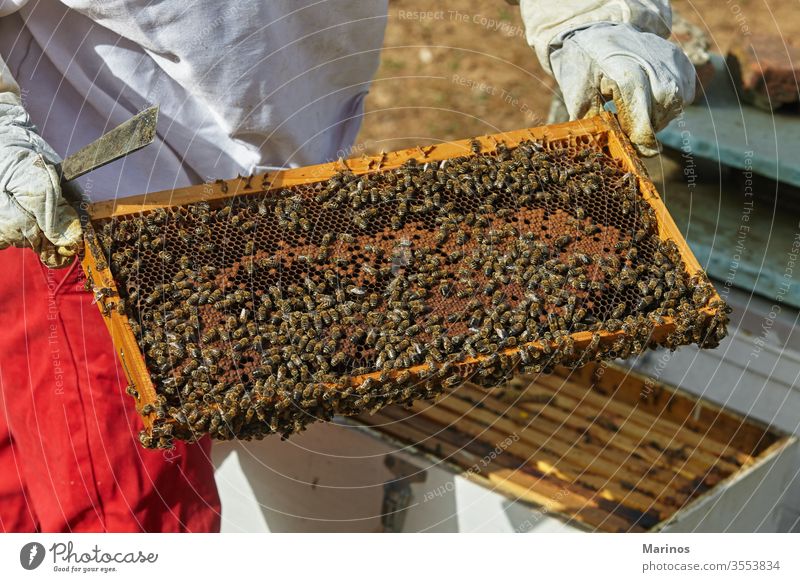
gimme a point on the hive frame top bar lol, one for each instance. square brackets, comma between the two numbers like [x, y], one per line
[602, 128]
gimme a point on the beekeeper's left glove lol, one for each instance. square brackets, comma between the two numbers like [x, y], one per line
[33, 212]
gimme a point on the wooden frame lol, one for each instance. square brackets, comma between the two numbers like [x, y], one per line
[603, 130]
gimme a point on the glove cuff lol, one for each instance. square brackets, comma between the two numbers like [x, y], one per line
[16, 127]
[12, 113]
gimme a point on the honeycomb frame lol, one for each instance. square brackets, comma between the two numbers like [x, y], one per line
[602, 132]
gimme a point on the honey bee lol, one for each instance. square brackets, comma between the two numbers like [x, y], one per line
[562, 241]
[452, 381]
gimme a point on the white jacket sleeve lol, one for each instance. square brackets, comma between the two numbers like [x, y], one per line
[547, 20]
[9, 90]
[10, 6]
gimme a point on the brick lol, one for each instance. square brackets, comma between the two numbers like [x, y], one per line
[766, 70]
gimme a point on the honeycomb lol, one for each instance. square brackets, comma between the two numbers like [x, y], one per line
[262, 312]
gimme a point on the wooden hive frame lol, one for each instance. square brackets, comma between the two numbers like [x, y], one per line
[602, 130]
[600, 447]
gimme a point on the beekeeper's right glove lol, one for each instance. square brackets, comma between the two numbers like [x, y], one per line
[649, 78]
[600, 50]
[33, 212]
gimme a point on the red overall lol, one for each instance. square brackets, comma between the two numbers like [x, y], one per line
[69, 454]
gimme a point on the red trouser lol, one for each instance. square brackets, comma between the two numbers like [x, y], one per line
[69, 454]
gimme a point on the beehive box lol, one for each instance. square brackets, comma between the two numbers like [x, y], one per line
[600, 447]
[260, 304]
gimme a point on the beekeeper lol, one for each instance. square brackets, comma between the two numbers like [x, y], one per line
[242, 86]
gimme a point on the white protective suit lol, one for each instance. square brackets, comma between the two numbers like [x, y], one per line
[246, 85]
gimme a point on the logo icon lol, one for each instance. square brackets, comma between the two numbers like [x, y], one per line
[31, 555]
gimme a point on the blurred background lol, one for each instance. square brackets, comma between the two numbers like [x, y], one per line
[465, 69]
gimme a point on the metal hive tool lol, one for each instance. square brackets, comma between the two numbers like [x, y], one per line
[261, 304]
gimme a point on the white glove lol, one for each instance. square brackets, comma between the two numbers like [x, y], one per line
[603, 49]
[33, 212]
[649, 78]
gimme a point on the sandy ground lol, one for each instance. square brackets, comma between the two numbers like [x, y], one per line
[466, 69]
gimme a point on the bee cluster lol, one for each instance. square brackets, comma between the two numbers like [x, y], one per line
[266, 311]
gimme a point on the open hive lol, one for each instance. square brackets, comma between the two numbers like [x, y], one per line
[600, 447]
[258, 305]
